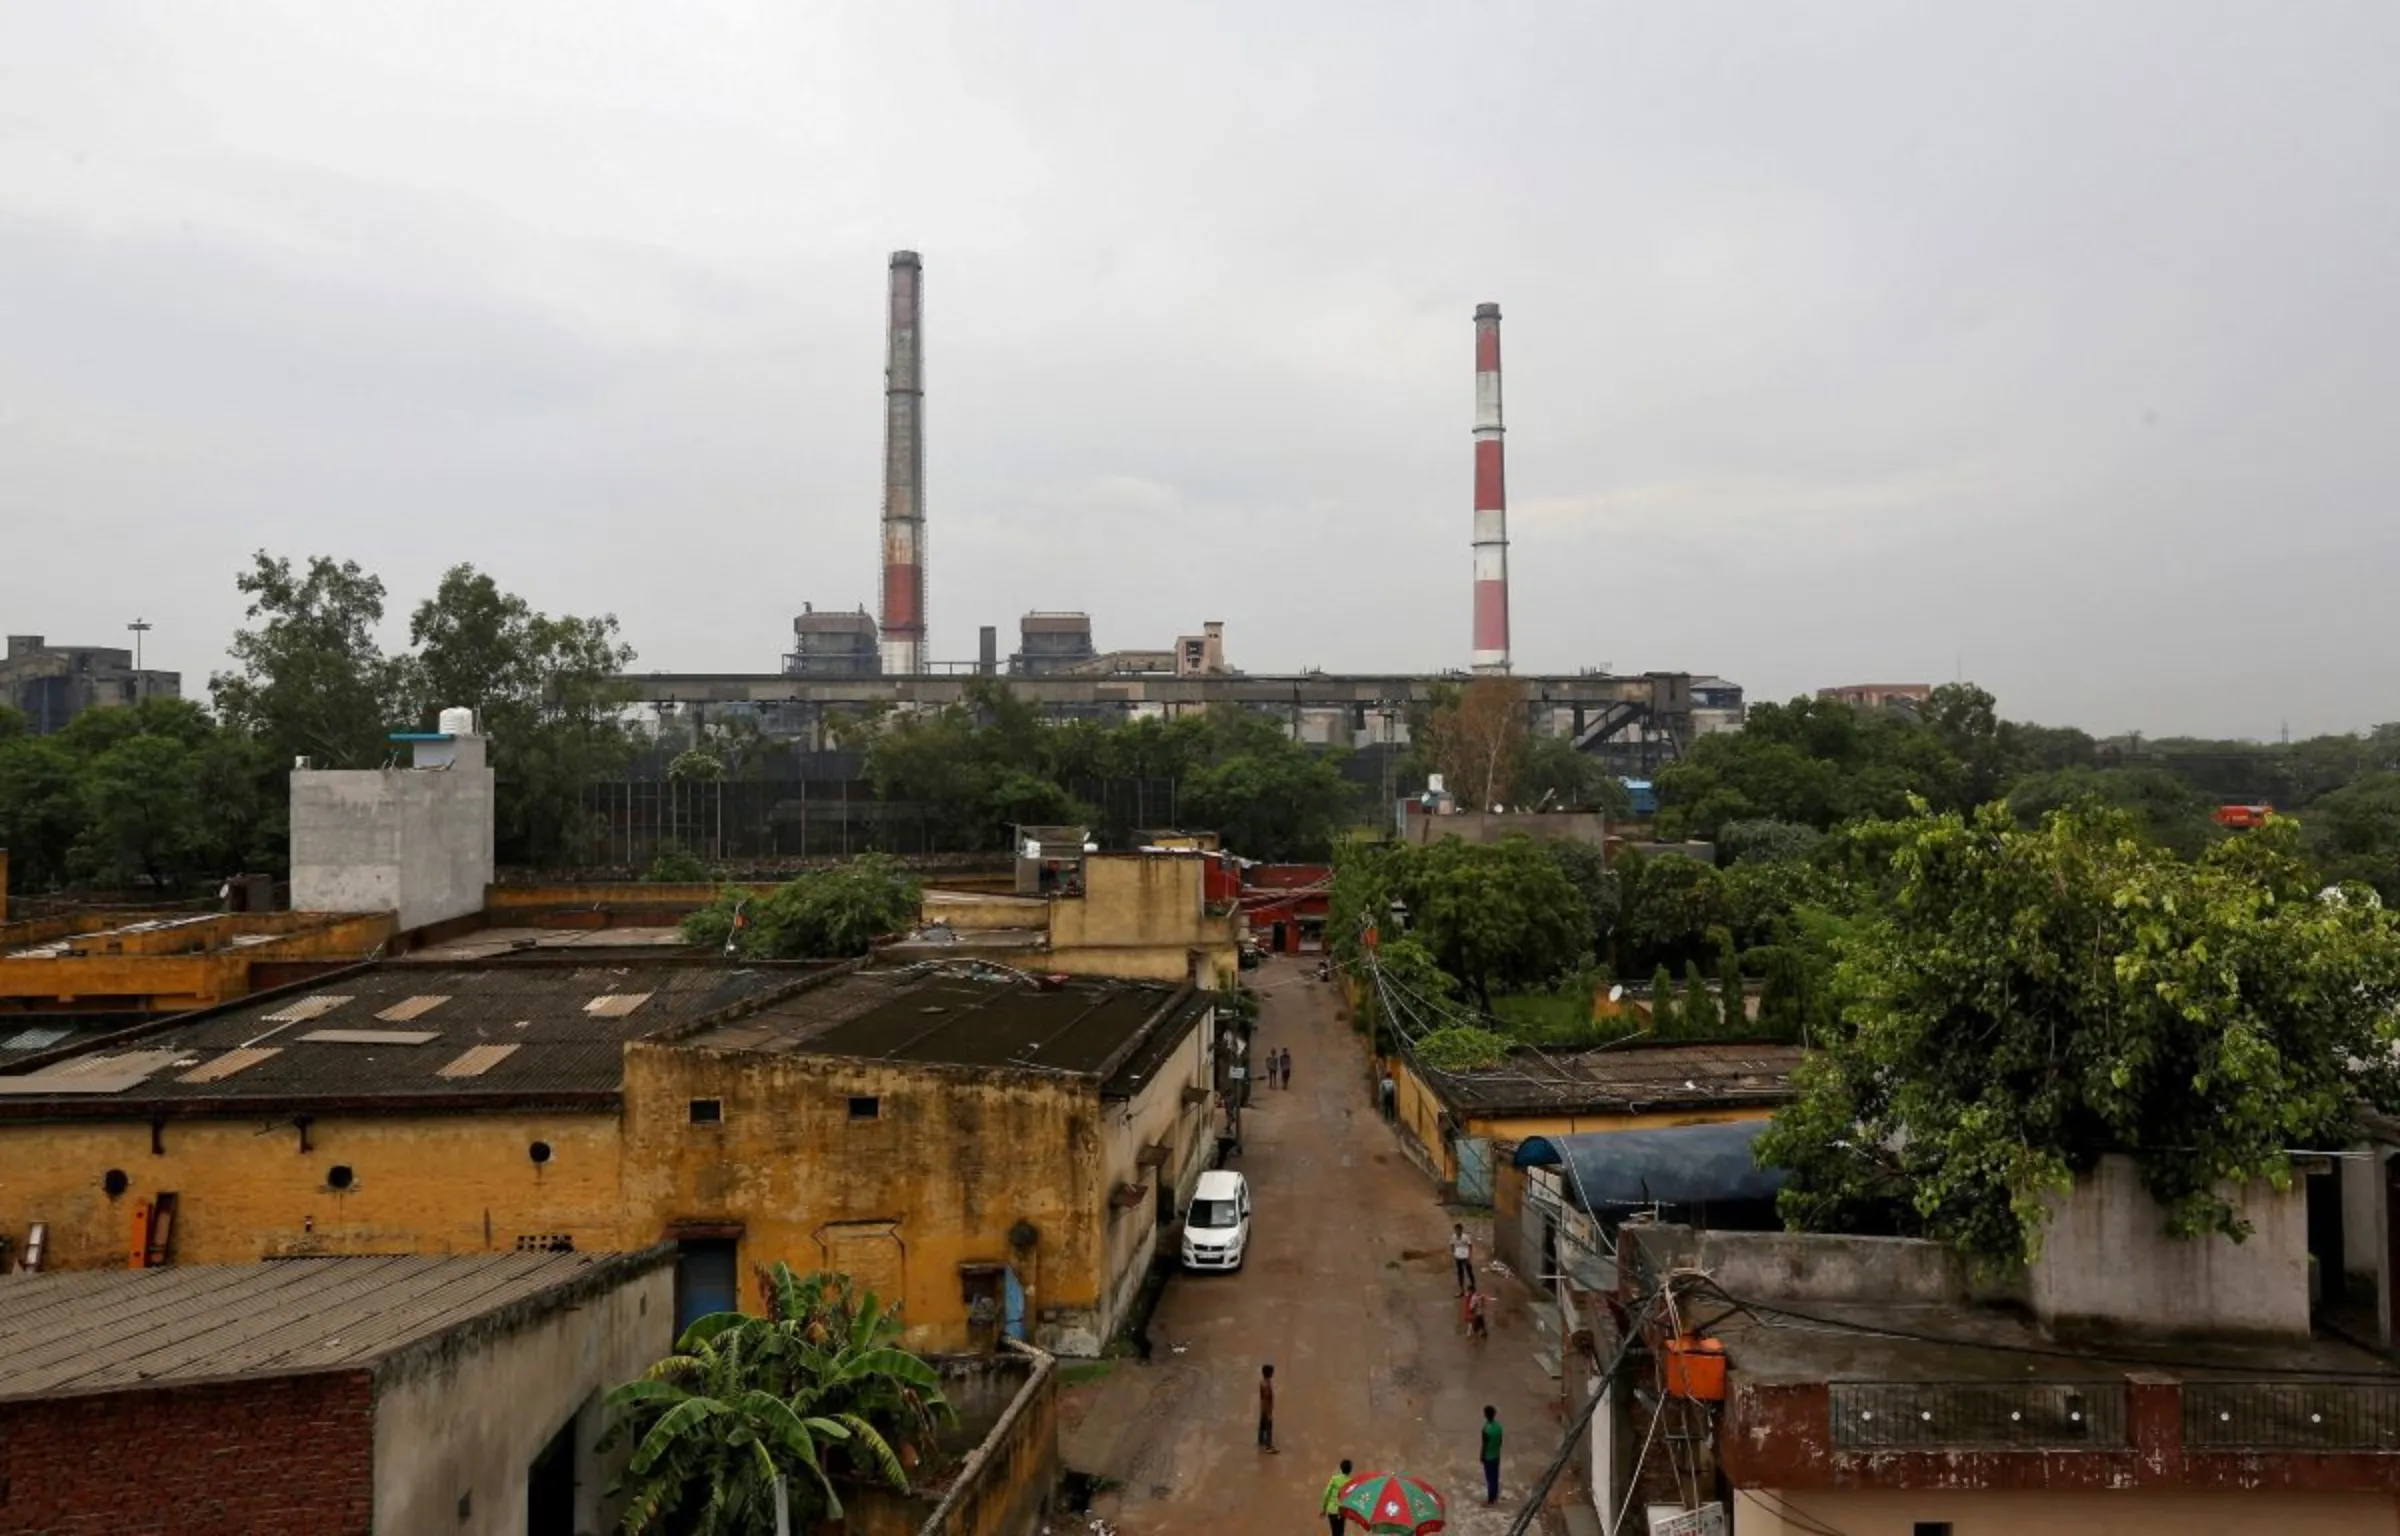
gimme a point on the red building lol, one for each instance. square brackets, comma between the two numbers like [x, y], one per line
[1286, 906]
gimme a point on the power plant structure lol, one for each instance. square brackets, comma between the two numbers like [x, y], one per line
[843, 660]
[1491, 500]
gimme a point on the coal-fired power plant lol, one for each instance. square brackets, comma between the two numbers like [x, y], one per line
[904, 471]
[1491, 500]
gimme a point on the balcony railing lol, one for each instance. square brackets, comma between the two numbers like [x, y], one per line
[1873, 1415]
[2291, 1416]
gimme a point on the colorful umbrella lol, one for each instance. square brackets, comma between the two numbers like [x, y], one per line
[1388, 1501]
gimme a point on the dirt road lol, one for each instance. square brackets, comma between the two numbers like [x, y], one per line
[1348, 1291]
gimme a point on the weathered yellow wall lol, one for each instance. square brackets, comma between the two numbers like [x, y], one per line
[1129, 962]
[1157, 1114]
[424, 1184]
[1419, 1112]
[181, 968]
[603, 893]
[971, 911]
[954, 1159]
[1518, 1127]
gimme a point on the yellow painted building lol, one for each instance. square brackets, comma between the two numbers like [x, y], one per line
[1453, 1121]
[171, 963]
[979, 1151]
[1134, 916]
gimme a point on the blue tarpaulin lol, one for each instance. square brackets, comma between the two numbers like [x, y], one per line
[1682, 1165]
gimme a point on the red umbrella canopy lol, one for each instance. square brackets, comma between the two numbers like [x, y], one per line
[1391, 1501]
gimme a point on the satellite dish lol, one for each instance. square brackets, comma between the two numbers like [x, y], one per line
[1616, 993]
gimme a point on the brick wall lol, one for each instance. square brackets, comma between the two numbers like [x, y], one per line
[253, 1458]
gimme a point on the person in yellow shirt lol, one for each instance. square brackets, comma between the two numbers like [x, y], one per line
[1333, 1493]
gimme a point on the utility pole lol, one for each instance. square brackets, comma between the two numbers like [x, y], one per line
[141, 682]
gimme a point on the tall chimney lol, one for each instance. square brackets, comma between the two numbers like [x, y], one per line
[904, 472]
[1491, 500]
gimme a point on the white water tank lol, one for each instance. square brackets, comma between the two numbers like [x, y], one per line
[457, 722]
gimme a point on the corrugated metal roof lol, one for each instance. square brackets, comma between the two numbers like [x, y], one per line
[540, 1010]
[1624, 1078]
[109, 1330]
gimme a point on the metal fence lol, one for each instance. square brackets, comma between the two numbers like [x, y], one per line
[1869, 1415]
[2296, 1416]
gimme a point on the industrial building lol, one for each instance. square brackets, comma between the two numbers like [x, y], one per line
[52, 684]
[843, 662]
[342, 1396]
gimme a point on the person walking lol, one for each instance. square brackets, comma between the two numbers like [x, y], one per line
[1332, 1507]
[1391, 1097]
[1491, 1454]
[1462, 1258]
[1266, 1410]
[1285, 1066]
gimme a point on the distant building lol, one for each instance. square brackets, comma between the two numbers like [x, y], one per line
[52, 684]
[1716, 706]
[1052, 642]
[833, 645]
[1879, 695]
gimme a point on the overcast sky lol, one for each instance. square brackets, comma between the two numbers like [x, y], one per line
[2057, 342]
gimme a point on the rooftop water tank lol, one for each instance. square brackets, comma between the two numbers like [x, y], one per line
[457, 722]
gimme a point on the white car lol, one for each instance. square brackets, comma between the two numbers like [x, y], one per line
[1216, 1229]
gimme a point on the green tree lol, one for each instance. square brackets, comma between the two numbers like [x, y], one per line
[1500, 915]
[751, 1413]
[1673, 909]
[1701, 1020]
[1765, 842]
[2034, 998]
[1665, 1022]
[1552, 775]
[1734, 1011]
[1477, 737]
[547, 695]
[2355, 831]
[143, 815]
[42, 809]
[1586, 867]
[310, 678]
[825, 914]
[2165, 810]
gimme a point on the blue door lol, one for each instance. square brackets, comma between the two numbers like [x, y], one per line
[1014, 1312]
[706, 1281]
[1474, 1169]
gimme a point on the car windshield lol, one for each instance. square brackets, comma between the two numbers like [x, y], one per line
[1212, 1213]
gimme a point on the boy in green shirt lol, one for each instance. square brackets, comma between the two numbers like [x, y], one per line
[1491, 1454]
[1333, 1493]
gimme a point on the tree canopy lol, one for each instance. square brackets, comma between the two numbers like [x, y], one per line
[2029, 999]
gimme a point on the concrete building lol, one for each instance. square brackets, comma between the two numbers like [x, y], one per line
[430, 1109]
[834, 645]
[52, 684]
[1157, 915]
[416, 841]
[962, 1139]
[2126, 1381]
[998, 1156]
[1050, 643]
[325, 1396]
[1455, 1123]
[1879, 695]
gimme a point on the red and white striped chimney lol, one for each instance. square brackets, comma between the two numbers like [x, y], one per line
[1491, 500]
[904, 471]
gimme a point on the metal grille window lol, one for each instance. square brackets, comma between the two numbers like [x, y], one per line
[1877, 1414]
[2294, 1416]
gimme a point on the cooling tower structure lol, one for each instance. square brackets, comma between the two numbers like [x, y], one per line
[1491, 500]
[904, 471]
